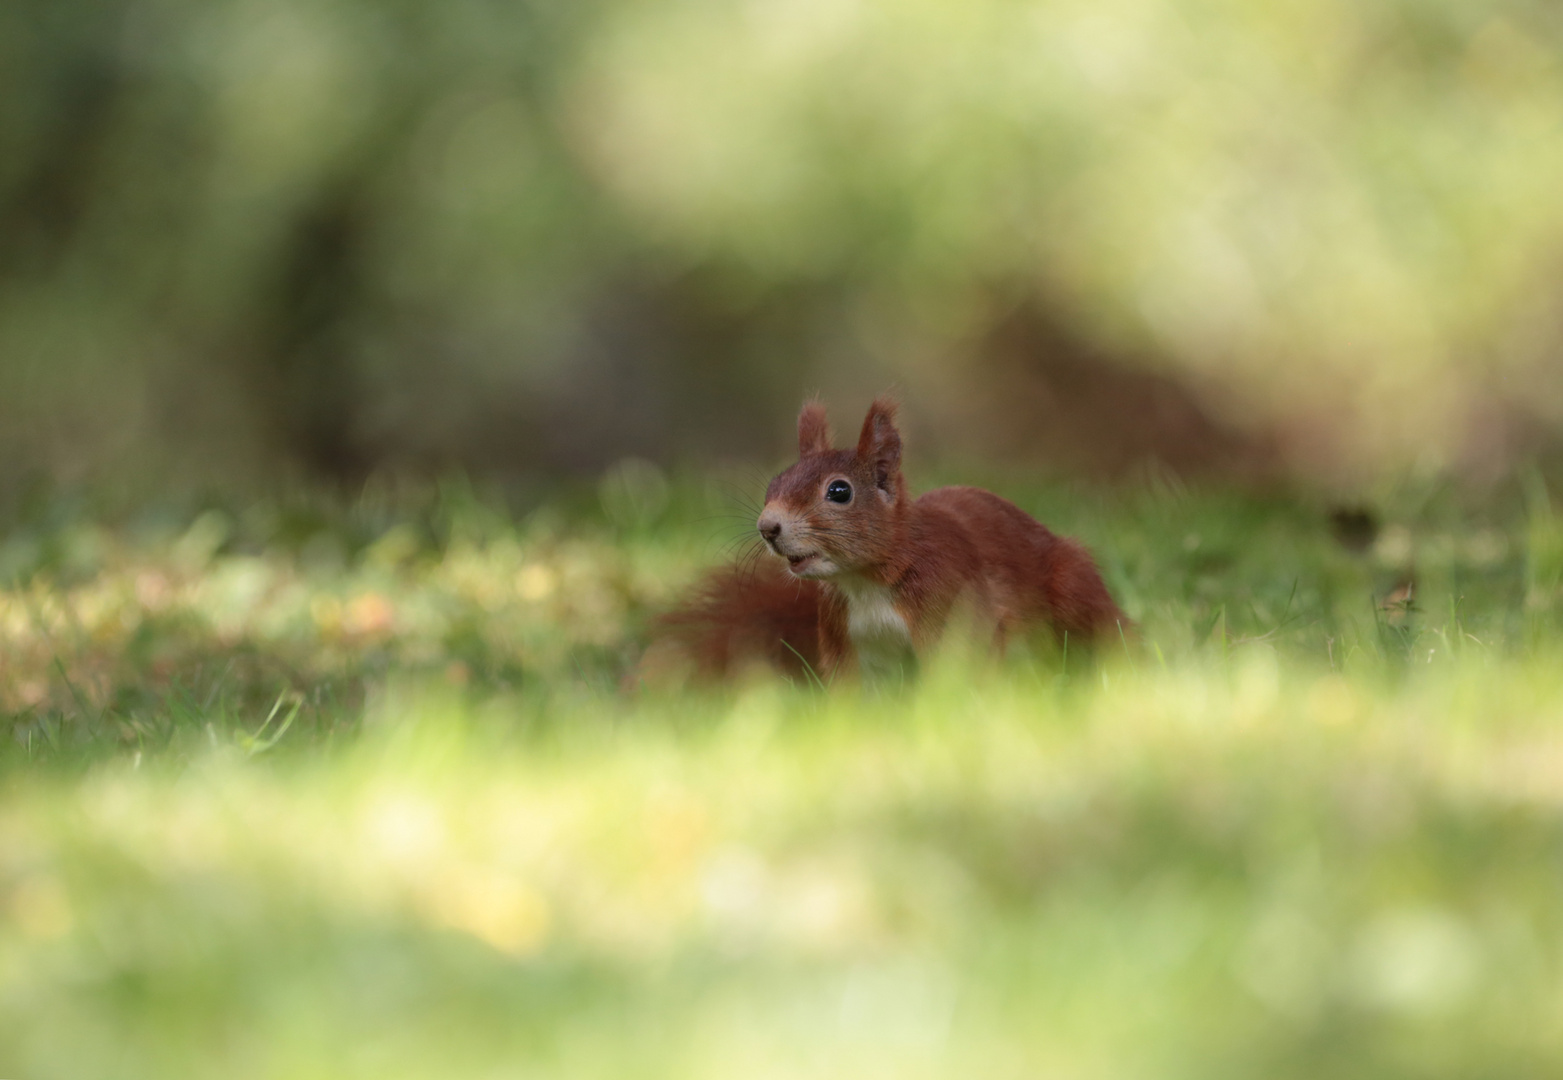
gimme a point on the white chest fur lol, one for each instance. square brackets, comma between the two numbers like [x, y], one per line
[879, 633]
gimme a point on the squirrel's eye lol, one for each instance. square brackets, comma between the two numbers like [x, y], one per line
[839, 491]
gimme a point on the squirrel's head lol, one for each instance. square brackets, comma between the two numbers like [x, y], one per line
[838, 511]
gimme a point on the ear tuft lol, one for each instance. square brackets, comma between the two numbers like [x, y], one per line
[880, 443]
[813, 430]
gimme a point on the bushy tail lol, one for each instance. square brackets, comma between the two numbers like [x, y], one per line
[739, 617]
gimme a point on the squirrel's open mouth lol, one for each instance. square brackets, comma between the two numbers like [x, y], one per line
[799, 563]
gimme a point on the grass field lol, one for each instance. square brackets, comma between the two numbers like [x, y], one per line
[308, 789]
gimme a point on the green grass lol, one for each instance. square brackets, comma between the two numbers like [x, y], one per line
[300, 789]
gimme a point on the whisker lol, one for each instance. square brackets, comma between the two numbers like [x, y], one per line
[735, 546]
[745, 533]
[742, 494]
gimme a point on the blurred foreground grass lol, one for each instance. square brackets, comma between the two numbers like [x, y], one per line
[304, 790]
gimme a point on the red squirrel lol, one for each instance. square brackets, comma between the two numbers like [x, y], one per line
[872, 575]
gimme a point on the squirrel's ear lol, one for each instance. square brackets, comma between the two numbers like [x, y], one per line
[880, 443]
[813, 430]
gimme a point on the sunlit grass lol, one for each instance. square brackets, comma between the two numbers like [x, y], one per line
[1304, 828]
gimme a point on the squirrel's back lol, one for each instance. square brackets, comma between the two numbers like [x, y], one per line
[1028, 574]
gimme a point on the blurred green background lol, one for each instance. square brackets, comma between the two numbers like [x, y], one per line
[1294, 238]
[372, 374]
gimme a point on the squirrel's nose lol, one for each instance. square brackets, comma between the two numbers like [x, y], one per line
[770, 528]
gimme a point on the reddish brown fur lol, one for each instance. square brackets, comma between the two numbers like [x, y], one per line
[813, 429]
[922, 557]
[760, 614]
